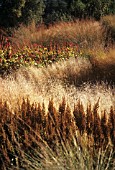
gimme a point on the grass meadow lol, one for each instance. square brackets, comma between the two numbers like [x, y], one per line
[57, 99]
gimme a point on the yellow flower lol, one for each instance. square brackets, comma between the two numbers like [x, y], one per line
[1, 52]
[45, 49]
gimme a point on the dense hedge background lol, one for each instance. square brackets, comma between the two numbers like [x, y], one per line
[48, 11]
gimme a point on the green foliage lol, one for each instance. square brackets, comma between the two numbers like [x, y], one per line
[50, 11]
[55, 9]
[98, 8]
[13, 12]
[77, 8]
[33, 10]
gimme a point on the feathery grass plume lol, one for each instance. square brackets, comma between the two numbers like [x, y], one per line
[89, 120]
[43, 114]
[89, 125]
[68, 124]
[57, 122]
[105, 128]
[23, 109]
[62, 107]
[51, 132]
[52, 111]
[111, 125]
[80, 117]
[34, 116]
[39, 120]
[28, 113]
[97, 132]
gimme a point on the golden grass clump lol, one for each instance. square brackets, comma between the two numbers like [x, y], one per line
[85, 34]
[109, 25]
[71, 78]
[103, 63]
[33, 134]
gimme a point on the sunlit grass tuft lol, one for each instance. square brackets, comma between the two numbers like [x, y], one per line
[71, 79]
[85, 33]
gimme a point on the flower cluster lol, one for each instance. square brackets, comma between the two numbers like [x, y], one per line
[36, 55]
